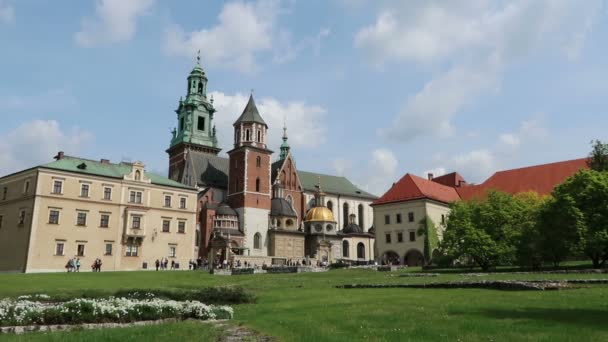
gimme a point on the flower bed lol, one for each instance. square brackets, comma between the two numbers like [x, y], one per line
[116, 310]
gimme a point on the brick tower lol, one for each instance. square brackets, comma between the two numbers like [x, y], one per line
[249, 188]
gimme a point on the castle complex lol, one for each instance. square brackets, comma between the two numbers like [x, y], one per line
[253, 207]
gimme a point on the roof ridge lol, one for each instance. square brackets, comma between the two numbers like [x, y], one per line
[538, 165]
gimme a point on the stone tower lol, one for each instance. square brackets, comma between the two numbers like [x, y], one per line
[249, 187]
[195, 130]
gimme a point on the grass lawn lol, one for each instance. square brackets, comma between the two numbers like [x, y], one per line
[308, 307]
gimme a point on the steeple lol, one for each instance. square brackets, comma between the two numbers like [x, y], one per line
[195, 129]
[250, 129]
[285, 145]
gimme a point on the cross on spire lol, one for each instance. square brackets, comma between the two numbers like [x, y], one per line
[198, 57]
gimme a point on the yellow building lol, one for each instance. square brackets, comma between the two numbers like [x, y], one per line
[85, 209]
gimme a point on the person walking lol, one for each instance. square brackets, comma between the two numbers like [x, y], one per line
[172, 264]
[78, 265]
[157, 263]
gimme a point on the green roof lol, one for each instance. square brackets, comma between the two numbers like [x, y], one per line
[332, 185]
[250, 113]
[97, 168]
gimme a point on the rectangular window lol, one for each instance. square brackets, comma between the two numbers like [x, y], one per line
[132, 250]
[201, 123]
[105, 221]
[135, 197]
[108, 249]
[166, 226]
[81, 220]
[136, 222]
[84, 190]
[4, 193]
[398, 218]
[54, 217]
[21, 217]
[387, 219]
[107, 194]
[182, 203]
[181, 227]
[172, 251]
[412, 236]
[410, 217]
[1, 220]
[59, 248]
[57, 187]
[80, 250]
[168, 201]
[388, 238]
[399, 237]
[181, 124]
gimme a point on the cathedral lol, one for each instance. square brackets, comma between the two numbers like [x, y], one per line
[260, 209]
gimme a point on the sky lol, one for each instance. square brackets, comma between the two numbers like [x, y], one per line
[370, 90]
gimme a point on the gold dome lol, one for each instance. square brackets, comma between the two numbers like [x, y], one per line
[320, 214]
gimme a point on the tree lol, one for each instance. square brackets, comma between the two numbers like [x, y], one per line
[598, 157]
[559, 229]
[488, 232]
[585, 196]
[530, 239]
[428, 229]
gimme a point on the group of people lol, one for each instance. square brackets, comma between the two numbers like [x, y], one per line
[197, 264]
[73, 265]
[163, 264]
[96, 267]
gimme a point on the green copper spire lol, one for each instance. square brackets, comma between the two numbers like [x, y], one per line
[284, 146]
[195, 114]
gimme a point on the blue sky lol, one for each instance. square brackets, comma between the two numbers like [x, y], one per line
[369, 89]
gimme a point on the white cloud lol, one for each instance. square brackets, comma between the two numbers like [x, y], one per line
[287, 51]
[342, 166]
[36, 142]
[306, 121]
[531, 130]
[49, 100]
[244, 29]
[474, 41]
[7, 13]
[509, 139]
[381, 171]
[115, 21]
[475, 166]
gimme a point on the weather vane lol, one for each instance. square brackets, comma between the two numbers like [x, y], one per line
[198, 56]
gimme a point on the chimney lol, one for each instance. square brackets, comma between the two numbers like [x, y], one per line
[105, 161]
[59, 155]
[430, 176]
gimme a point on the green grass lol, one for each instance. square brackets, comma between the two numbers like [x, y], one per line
[308, 307]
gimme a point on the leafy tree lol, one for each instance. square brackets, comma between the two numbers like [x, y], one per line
[559, 229]
[428, 229]
[585, 198]
[598, 157]
[489, 232]
[529, 251]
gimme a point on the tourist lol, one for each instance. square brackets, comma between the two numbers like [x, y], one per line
[166, 263]
[98, 263]
[172, 264]
[78, 265]
[157, 264]
[225, 264]
[67, 265]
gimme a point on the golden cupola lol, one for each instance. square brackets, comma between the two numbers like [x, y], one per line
[319, 212]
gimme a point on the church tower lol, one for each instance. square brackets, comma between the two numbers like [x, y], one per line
[249, 176]
[195, 130]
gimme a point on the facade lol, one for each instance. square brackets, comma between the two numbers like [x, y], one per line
[398, 213]
[269, 198]
[78, 208]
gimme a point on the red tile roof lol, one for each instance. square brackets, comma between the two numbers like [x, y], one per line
[541, 179]
[412, 187]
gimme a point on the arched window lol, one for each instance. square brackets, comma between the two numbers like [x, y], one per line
[137, 175]
[257, 241]
[200, 88]
[258, 161]
[360, 250]
[247, 135]
[345, 214]
[289, 200]
[330, 206]
[289, 223]
[257, 184]
[361, 216]
[259, 136]
[345, 249]
[236, 136]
